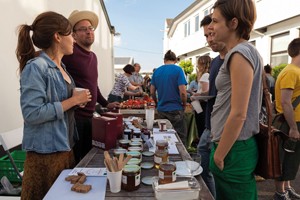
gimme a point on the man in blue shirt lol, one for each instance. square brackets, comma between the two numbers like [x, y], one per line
[169, 82]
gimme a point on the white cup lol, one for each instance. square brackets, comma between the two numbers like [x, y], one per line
[79, 89]
[197, 106]
[115, 180]
[150, 118]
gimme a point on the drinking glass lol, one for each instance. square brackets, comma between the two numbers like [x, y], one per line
[194, 164]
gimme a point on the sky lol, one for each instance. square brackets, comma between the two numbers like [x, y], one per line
[140, 24]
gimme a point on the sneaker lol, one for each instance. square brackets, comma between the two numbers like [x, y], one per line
[292, 193]
[281, 196]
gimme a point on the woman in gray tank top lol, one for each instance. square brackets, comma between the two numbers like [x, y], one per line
[235, 116]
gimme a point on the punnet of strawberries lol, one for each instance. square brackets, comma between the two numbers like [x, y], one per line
[138, 103]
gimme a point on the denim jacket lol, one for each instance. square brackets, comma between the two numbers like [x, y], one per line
[43, 88]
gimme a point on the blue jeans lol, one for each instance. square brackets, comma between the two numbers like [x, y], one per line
[204, 149]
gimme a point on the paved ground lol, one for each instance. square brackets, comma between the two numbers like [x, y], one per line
[266, 188]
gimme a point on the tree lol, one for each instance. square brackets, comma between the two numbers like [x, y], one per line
[277, 69]
[187, 66]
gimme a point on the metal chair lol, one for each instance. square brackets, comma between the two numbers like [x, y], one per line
[10, 140]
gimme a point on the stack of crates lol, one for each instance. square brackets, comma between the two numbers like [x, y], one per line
[7, 169]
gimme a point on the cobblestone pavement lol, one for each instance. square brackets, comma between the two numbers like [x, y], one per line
[266, 188]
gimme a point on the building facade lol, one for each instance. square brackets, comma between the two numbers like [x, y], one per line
[278, 22]
[18, 12]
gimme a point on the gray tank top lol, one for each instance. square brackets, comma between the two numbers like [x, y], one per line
[222, 105]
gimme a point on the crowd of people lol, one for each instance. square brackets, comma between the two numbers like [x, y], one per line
[59, 92]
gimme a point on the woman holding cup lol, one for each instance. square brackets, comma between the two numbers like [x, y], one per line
[48, 99]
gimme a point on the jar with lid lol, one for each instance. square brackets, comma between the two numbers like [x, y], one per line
[167, 172]
[146, 134]
[124, 143]
[162, 144]
[127, 134]
[136, 134]
[160, 156]
[134, 154]
[131, 177]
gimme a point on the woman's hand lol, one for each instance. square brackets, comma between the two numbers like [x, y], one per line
[219, 162]
[82, 97]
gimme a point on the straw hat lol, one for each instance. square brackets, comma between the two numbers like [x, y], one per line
[76, 16]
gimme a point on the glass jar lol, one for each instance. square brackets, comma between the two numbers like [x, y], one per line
[167, 172]
[127, 134]
[135, 154]
[136, 134]
[160, 156]
[124, 143]
[131, 177]
[119, 151]
[162, 144]
[146, 134]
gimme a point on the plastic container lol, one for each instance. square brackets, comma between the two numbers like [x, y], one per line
[192, 192]
[6, 168]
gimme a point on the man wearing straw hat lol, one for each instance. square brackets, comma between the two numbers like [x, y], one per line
[82, 65]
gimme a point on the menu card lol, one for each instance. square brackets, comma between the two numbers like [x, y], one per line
[170, 137]
[89, 171]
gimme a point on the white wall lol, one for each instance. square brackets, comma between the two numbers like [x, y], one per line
[16, 12]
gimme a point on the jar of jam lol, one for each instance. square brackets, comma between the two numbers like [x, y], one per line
[127, 134]
[136, 134]
[135, 154]
[136, 144]
[162, 144]
[146, 134]
[167, 172]
[134, 161]
[119, 151]
[124, 143]
[160, 156]
[131, 177]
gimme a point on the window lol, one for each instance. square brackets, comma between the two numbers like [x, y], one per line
[279, 47]
[197, 23]
[187, 31]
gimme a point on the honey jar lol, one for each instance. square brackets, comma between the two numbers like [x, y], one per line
[160, 156]
[162, 144]
[167, 172]
[131, 177]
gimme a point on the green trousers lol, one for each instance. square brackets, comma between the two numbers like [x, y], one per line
[236, 181]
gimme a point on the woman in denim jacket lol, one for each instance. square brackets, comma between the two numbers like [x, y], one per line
[47, 101]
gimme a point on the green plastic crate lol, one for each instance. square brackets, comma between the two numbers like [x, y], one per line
[6, 168]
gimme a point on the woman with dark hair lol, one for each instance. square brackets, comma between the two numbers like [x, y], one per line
[48, 99]
[235, 116]
[122, 82]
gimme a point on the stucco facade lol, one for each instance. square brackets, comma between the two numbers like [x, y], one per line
[16, 12]
[278, 22]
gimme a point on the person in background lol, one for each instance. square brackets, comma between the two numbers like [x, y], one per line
[203, 64]
[147, 84]
[270, 80]
[48, 100]
[235, 115]
[287, 89]
[83, 67]
[204, 146]
[121, 84]
[193, 87]
[169, 82]
[135, 79]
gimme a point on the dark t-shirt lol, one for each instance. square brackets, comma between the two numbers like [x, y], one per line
[214, 70]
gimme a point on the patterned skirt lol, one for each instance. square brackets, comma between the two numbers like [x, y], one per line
[41, 171]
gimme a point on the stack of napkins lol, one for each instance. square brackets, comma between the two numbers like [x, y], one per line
[181, 185]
